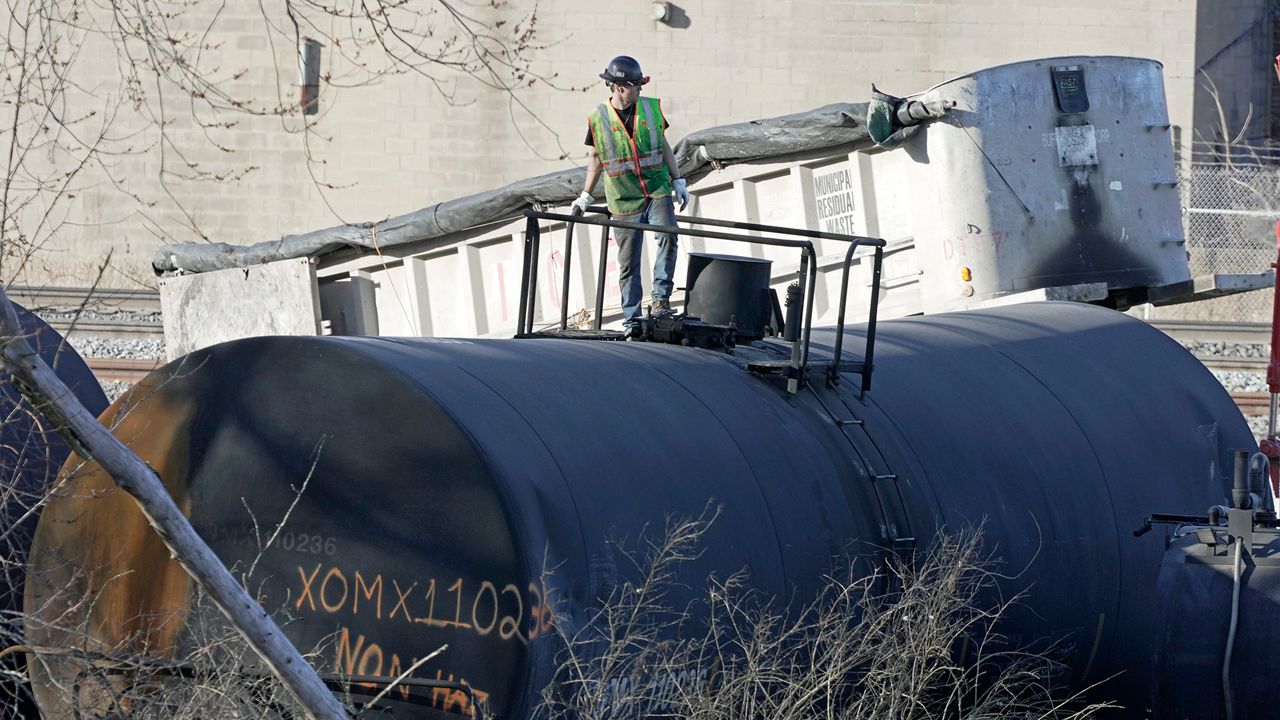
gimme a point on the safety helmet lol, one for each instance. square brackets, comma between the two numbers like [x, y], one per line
[624, 69]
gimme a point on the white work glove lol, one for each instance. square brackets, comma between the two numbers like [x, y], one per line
[682, 193]
[580, 205]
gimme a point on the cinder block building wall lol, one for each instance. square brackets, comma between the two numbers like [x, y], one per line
[1234, 84]
[396, 143]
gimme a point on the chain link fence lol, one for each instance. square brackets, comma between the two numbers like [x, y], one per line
[1229, 218]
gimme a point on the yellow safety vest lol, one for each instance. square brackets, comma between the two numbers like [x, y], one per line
[633, 166]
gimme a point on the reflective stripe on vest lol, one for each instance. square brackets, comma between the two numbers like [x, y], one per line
[633, 164]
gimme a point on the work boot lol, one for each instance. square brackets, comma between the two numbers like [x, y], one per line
[661, 306]
[632, 332]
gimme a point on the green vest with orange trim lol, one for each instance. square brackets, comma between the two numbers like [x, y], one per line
[633, 166]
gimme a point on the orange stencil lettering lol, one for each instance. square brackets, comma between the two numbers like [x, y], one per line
[369, 591]
[344, 662]
[306, 588]
[324, 590]
[402, 600]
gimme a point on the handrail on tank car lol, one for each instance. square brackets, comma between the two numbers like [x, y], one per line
[806, 275]
[855, 242]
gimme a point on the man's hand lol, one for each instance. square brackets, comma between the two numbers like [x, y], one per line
[579, 206]
[682, 193]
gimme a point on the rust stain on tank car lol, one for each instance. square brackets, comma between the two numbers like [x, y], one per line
[101, 578]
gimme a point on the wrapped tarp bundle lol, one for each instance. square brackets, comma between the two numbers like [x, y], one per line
[434, 221]
[824, 131]
[892, 121]
[828, 130]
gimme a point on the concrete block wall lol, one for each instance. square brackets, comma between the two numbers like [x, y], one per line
[398, 144]
[1234, 56]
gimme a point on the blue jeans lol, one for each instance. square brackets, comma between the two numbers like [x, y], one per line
[659, 211]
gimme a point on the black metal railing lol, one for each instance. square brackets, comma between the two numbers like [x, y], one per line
[806, 276]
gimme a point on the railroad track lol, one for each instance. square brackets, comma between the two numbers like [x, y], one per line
[122, 369]
[1209, 331]
[1199, 331]
[1253, 403]
[70, 298]
[104, 313]
[1250, 403]
[1255, 365]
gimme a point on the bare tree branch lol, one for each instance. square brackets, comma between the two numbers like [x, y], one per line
[174, 103]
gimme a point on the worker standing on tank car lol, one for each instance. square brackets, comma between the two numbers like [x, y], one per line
[628, 136]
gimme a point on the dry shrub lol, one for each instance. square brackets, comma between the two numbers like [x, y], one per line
[915, 638]
[213, 674]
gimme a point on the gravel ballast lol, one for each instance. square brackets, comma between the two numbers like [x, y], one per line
[118, 348]
[1232, 380]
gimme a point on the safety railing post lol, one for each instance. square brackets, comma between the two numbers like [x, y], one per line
[566, 271]
[868, 360]
[603, 260]
[833, 376]
[808, 303]
[526, 269]
[797, 349]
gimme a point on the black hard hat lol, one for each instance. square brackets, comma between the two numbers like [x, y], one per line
[624, 69]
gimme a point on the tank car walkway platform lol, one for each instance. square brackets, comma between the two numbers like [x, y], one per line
[714, 332]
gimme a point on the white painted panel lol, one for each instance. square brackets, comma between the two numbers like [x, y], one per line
[725, 203]
[471, 302]
[779, 202]
[418, 296]
[500, 270]
[579, 266]
[612, 292]
[899, 202]
[445, 289]
[550, 273]
[552, 270]
[586, 246]
[473, 287]
[394, 301]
